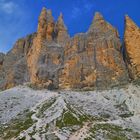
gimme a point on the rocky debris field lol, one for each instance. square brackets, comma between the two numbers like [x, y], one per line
[27, 114]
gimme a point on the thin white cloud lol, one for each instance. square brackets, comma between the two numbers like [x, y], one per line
[81, 7]
[88, 6]
[76, 12]
[7, 6]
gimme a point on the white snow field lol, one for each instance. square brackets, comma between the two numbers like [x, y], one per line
[27, 114]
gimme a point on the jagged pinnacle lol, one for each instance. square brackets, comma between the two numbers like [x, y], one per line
[42, 23]
[98, 16]
[60, 19]
[43, 14]
[49, 16]
[99, 25]
[97, 19]
[44, 9]
[129, 21]
[60, 22]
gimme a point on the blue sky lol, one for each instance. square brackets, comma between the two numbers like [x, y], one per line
[19, 17]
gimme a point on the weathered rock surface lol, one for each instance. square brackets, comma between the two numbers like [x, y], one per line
[1, 64]
[1, 60]
[14, 67]
[67, 115]
[45, 59]
[2, 55]
[51, 59]
[61, 31]
[93, 59]
[132, 46]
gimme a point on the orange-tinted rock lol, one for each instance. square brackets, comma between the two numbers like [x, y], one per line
[42, 24]
[93, 60]
[46, 56]
[61, 31]
[14, 67]
[132, 47]
[51, 59]
[45, 25]
[50, 26]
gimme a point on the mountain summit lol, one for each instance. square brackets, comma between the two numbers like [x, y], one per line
[51, 59]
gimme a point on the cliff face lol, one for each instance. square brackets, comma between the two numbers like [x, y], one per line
[93, 59]
[132, 46]
[14, 66]
[1, 64]
[1, 60]
[51, 59]
[45, 58]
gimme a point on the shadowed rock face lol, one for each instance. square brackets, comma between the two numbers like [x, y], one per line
[51, 59]
[132, 46]
[1, 64]
[15, 64]
[1, 58]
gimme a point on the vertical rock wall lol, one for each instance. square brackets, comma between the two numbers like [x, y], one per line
[93, 60]
[14, 68]
[46, 56]
[132, 47]
[51, 59]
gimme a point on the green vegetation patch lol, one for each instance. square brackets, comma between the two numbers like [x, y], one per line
[136, 82]
[51, 137]
[71, 117]
[68, 119]
[16, 126]
[44, 107]
[126, 115]
[124, 108]
[112, 132]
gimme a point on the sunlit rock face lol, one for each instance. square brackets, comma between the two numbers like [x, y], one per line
[45, 59]
[93, 59]
[51, 59]
[132, 47]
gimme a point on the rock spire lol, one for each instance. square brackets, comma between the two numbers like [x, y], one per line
[132, 47]
[51, 59]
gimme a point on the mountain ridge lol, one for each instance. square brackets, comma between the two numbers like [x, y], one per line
[51, 59]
